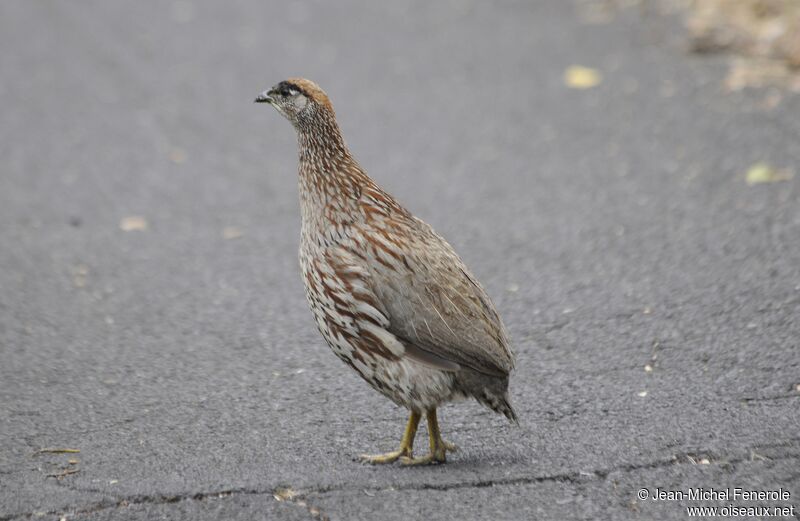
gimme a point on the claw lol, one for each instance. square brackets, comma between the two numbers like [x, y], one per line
[429, 459]
[389, 457]
[434, 458]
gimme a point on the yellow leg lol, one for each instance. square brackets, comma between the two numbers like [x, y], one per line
[406, 444]
[439, 447]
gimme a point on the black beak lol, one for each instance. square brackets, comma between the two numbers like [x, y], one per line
[265, 97]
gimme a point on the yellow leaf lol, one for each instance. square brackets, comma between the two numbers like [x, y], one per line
[133, 223]
[231, 232]
[578, 77]
[284, 494]
[763, 173]
[177, 156]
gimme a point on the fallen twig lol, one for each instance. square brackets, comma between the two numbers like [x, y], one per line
[54, 450]
[65, 472]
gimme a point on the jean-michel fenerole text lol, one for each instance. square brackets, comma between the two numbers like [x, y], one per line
[720, 494]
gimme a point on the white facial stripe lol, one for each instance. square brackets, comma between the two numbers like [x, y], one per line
[300, 102]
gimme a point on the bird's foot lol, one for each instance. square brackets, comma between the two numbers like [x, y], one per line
[389, 457]
[435, 457]
[406, 445]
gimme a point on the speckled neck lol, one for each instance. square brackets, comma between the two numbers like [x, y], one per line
[318, 135]
[330, 178]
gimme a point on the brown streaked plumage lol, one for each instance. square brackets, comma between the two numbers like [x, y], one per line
[389, 295]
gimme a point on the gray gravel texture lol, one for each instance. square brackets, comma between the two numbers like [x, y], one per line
[613, 227]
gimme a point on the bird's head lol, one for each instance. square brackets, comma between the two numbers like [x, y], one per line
[297, 99]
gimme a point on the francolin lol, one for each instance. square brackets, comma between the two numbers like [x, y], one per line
[390, 296]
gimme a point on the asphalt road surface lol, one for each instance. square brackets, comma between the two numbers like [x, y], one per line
[152, 314]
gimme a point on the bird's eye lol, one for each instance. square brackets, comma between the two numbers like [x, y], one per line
[287, 91]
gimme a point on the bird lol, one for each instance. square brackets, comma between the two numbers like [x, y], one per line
[389, 295]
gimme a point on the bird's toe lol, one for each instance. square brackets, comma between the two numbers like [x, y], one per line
[380, 459]
[428, 459]
[450, 447]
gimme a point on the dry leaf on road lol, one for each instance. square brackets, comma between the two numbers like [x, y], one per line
[231, 232]
[579, 77]
[133, 223]
[763, 173]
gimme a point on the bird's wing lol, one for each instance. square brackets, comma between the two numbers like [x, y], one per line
[360, 316]
[431, 299]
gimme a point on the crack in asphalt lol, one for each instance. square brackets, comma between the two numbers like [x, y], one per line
[301, 498]
[566, 477]
[770, 398]
[81, 432]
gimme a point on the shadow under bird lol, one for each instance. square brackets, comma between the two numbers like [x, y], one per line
[390, 296]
